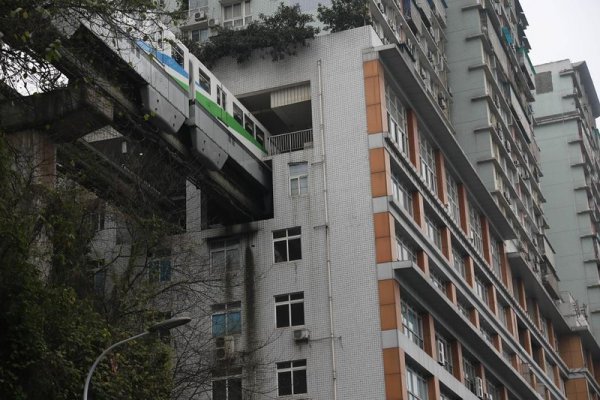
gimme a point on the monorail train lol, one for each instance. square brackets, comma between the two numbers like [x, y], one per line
[208, 92]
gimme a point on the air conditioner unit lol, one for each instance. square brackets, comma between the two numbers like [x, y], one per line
[479, 387]
[225, 348]
[301, 335]
[213, 22]
[423, 73]
[507, 196]
[441, 349]
[508, 148]
[200, 16]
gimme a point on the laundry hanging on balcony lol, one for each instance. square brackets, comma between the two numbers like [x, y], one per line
[507, 35]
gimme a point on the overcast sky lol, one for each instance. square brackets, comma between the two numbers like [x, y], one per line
[565, 29]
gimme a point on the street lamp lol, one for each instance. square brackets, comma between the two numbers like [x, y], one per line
[161, 326]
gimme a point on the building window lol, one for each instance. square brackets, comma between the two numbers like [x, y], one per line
[291, 377]
[444, 353]
[438, 280]
[199, 35]
[287, 245]
[226, 319]
[469, 373]
[396, 114]
[486, 334]
[416, 385]
[481, 289]
[404, 250]
[496, 262]
[412, 325]
[428, 166]
[475, 226]
[289, 310]
[452, 189]
[433, 232]
[224, 256]
[159, 266]
[402, 196]
[298, 178]
[492, 390]
[458, 261]
[463, 308]
[227, 388]
[238, 14]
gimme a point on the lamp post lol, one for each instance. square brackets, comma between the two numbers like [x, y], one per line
[161, 326]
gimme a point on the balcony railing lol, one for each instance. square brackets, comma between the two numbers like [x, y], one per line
[288, 142]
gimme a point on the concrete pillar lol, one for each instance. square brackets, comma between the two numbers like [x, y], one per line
[418, 209]
[441, 177]
[394, 367]
[423, 261]
[463, 206]
[446, 243]
[413, 139]
[469, 271]
[486, 239]
[375, 96]
[457, 360]
[385, 237]
[429, 335]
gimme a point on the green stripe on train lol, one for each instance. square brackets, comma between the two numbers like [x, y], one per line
[217, 111]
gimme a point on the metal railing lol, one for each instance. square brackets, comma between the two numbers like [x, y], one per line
[288, 142]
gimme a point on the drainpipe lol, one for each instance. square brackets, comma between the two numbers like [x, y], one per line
[327, 234]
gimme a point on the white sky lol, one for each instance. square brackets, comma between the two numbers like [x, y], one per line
[560, 29]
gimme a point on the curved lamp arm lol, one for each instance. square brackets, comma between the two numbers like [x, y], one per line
[101, 356]
[161, 326]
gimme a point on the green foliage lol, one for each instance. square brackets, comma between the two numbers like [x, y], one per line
[279, 35]
[50, 330]
[344, 14]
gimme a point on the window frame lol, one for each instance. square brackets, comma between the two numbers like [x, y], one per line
[226, 246]
[228, 379]
[160, 266]
[416, 382]
[396, 115]
[428, 164]
[287, 238]
[412, 324]
[226, 309]
[245, 15]
[297, 177]
[288, 304]
[453, 203]
[295, 367]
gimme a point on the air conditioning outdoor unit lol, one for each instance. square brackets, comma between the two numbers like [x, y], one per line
[301, 335]
[200, 16]
[213, 22]
[225, 347]
[479, 387]
[441, 353]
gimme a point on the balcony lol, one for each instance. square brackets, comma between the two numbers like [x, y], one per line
[526, 67]
[288, 142]
[412, 16]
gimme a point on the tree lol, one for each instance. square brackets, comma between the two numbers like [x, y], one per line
[279, 35]
[30, 47]
[344, 14]
[50, 329]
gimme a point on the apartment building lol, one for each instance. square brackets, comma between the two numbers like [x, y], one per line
[405, 258]
[565, 110]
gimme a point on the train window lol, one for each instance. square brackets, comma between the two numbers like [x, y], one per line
[238, 115]
[221, 97]
[249, 125]
[260, 135]
[178, 55]
[204, 80]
